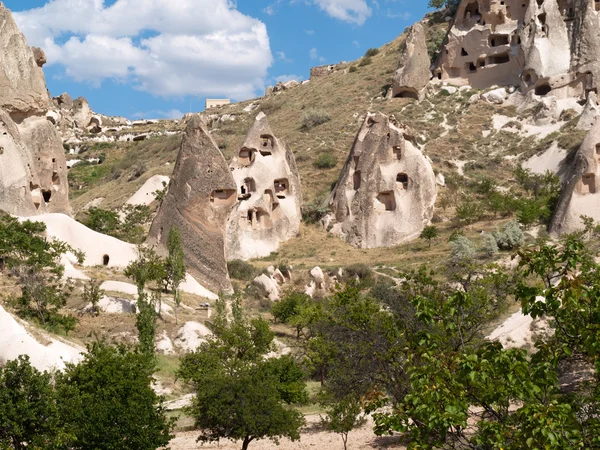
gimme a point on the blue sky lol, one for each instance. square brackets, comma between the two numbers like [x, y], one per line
[155, 58]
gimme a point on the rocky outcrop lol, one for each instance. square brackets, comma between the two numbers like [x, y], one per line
[386, 191]
[33, 169]
[413, 74]
[22, 84]
[268, 192]
[590, 112]
[580, 195]
[200, 197]
[549, 47]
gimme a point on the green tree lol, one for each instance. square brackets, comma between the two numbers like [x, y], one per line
[174, 265]
[240, 393]
[93, 294]
[102, 220]
[429, 232]
[145, 322]
[343, 416]
[29, 416]
[107, 401]
[35, 261]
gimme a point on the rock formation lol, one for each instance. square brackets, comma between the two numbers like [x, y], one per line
[200, 197]
[386, 191]
[413, 74]
[580, 194]
[33, 174]
[545, 46]
[269, 195]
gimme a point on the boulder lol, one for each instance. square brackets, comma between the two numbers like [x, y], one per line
[386, 192]
[63, 101]
[496, 96]
[413, 74]
[267, 286]
[39, 56]
[82, 113]
[22, 83]
[53, 117]
[269, 196]
[200, 197]
[580, 195]
[317, 275]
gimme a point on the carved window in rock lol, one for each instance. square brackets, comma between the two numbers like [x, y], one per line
[356, 159]
[282, 187]
[47, 195]
[402, 181]
[356, 178]
[470, 67]
[397, 152]
[501, 58]
[515, 39]
[472, 11]
[481, 62]
[597, 5]
[543, 89]
[258, 219]
[266, 145]
[222, 197]
[246, 156]
[247, 188]
[270, 199]
[385, 201]
[105, 260]
[463, 52]
[588, 184]
[55, 179]
[408, 93]
[598, 151]
[496, 40]
[36, 195]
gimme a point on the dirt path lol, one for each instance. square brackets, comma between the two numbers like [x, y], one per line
[312, 437]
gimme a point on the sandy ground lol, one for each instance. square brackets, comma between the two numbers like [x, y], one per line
[312, 437]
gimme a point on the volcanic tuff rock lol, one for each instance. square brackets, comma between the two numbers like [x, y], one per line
[580, 195]
[269, 195]
[33, 174]
[413, 74]
[545, 46]
[200, 197]
[386, 191]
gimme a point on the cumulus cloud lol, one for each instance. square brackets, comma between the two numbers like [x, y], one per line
[165, 47]
[314, 54]
[353, 11]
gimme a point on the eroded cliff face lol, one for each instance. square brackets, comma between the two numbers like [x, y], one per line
[269, 195]
[200, 197]
[33, 174]
[551, 47]
[386, 192]
[580, 195]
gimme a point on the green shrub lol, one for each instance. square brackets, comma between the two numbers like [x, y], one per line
[488, 244]
[462, 250]
[315, 210]
[353, 69]
[469, 211]
[241, 270]
[314, 117]
[365, 61]
[510, 237]
[371, 52]
[326, 160]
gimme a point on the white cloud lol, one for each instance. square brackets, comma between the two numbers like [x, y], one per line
[314, 54]
[309, 32]
[356, 44]
[401, 15]
[282, 56]
[165, 47]
[353, 11]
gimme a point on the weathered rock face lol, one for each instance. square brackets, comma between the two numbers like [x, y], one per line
[201, 194]
[386, 191]
[22, 84]
[413, 72]
[33, 177]
[580, 195]
[268, 192]
[549, 46]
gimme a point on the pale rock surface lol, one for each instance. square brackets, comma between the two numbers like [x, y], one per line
[191, 335]
[496, 96]
[164, 344]
[449, 89]
[267, 287]
[413, 74]
[590, 112]
[16, 340]
[201, 194]
[269, 198]
[580, 195]
[317, 275]
[147, 193]
[542, 46]
[386, 192]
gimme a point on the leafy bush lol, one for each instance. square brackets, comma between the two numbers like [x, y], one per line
[461, 250]
[510, 237]
[241, 270]
[326, 160]
[429, 232]
[314, 117]
[365, 61]
[315, 210]
[469, 211]
[488, 244]
[371, 52]
[93, 294]
[353, 69]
